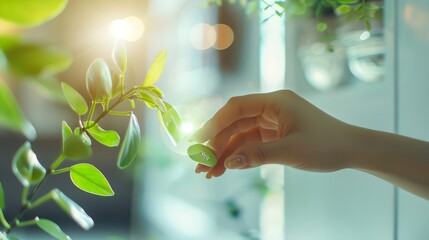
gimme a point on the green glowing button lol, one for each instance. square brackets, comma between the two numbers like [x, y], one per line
[202, 154]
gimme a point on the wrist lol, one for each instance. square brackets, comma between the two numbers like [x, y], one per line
[364, 149]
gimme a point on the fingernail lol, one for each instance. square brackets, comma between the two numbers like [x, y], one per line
[235, 162]
[208, 176]
[198, 169]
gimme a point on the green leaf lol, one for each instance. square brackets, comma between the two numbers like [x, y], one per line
[8, 41]
[156, 90]
[130, 144]
[66, 132]
[119, 55]
[72, 209]
[151, 99]
[29, 59]
[11, 116]
[373, 6]
[2, 201]
[297, 8]
[26, 167]
[202, 154]
[347, 1]
[48, 86]
[86, 139]
[74, 99]
[52, 229]
[171, 121]
[99, 80]
[116, 84]
[358, 7]
[132, 103]
[30, 12]
[156, 69]
[343, 9]
[321, 27]
[252, 7]
[75, 148]
[281, 4]
[108, 138]
[368, 25]
[89, 179]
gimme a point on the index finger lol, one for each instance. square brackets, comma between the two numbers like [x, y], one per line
[235, 109]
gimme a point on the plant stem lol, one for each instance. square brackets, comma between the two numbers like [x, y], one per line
[28, 223]
[24, 195]
[27, 205]
[117, 113]
[122, 98]
[91, 111]
[3, 220]
[41, 200]
[122, 80]
[57, 163]
[59, 171]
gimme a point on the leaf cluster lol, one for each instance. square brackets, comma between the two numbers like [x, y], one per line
[355, 10]
[17, 58]
[105, 86]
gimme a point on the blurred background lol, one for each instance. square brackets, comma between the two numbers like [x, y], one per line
[375, 78]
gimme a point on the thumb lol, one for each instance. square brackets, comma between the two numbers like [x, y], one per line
[255, 155]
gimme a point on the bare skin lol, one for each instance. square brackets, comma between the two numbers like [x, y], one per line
[283, 128]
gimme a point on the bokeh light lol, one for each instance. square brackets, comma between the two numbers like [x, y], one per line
[365, 36]
[129, 29]
[202, 36]
[225, 36]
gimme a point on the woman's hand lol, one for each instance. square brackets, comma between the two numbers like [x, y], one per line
[278, 127]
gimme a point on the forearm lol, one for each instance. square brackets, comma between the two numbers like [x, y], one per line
[400, 160]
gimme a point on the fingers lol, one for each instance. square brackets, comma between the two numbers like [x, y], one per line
[257, 154]
[202, 168]
[219, 142]
[235, 109]
[256, 135]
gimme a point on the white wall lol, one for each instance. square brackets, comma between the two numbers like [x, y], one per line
[412, 70]
[349, 204]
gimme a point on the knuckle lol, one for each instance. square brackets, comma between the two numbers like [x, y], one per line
[256, 157]
[234, 104]
[286, 93]
[233, 100]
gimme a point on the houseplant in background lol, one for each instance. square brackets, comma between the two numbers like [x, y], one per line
[351, 10]
[106, 87]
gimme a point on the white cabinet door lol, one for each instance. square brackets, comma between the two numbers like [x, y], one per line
[346, 204]
[413, 104]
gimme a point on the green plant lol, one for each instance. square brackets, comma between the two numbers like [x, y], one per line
[353, 10]
[17, 58]
[107, 93]
[106, 87]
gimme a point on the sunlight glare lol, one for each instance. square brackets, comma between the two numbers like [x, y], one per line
[129, 29]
